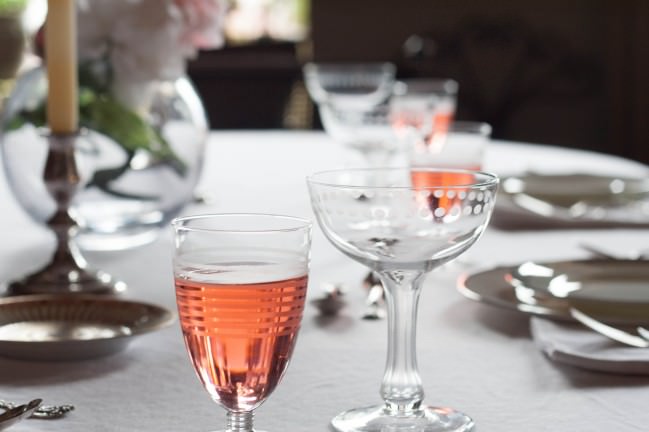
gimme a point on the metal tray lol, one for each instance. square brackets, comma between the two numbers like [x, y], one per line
[63, 327]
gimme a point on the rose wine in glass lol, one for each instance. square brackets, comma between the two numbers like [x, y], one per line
[456, 156]
[240, 292]
[423, 179]
[240, 337]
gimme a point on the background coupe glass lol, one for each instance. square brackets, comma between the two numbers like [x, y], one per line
[401, 232]
[352, 103]
[349, 86]
[240, 288]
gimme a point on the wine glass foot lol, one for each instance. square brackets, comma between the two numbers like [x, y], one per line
[378, 419]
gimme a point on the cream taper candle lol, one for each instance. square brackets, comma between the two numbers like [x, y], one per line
[61, 60]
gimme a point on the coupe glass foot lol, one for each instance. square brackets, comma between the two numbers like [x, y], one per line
[378, 419]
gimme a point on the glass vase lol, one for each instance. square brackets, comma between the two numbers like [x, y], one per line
[138, 166]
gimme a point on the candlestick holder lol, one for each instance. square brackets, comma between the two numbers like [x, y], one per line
[67, 271]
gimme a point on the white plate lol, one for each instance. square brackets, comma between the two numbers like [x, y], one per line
[579, 198]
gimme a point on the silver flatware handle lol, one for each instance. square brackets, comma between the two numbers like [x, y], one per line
[43, 412]
[609, 331]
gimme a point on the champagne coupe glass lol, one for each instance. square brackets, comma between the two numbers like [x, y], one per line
[240, 288]
[349, 86]
[402, 232]
[352, 102]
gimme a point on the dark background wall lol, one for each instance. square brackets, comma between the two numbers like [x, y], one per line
[570, 73]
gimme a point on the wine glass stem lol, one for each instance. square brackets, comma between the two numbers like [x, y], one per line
[401, 389]
[240, 421]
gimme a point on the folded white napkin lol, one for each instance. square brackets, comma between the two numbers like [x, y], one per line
[579, 346]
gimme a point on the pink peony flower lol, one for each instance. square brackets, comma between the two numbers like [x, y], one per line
[203, 22]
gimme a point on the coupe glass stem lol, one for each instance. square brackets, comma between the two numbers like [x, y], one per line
[401, 389]
[376, 157]
[240, 421]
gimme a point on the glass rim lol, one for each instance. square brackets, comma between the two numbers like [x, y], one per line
[468, 126]
[301, 223]
[347, 66]
[490, 178]
[426, 85]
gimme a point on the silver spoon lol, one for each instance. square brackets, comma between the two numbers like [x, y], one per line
[375, 299]
[374, 304]
[18, 413]
[614, 333]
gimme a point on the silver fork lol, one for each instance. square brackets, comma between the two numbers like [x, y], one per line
[641, 340]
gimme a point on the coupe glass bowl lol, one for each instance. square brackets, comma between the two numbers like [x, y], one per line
[349, 86]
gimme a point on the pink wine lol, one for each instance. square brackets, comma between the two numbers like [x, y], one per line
[422, 179]
[240, 337]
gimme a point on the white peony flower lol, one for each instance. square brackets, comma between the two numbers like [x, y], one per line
[147, 40]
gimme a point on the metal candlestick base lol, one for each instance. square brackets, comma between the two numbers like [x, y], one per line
[66, 273]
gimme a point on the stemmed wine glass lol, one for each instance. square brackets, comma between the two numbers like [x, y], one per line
[402, 230]
[241, 283]
[352, 102]
[425, 106]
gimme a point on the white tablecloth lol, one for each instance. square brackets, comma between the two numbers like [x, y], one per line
[471, 356]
